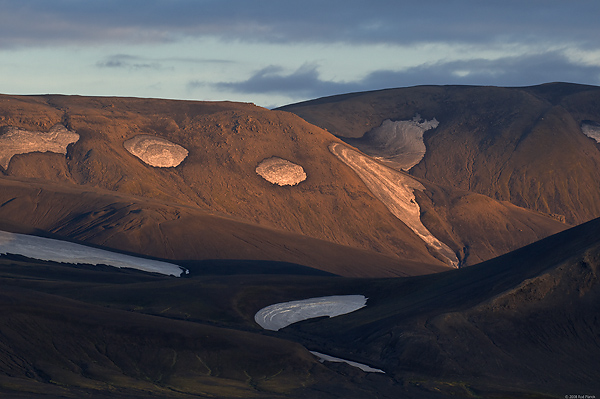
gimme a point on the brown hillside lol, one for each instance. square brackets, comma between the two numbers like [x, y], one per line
[522, 145]
[226, 142]
[178, 232]
[478, 227]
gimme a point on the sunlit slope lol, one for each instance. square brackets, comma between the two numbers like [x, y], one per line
[523, 145]
[214, 155]
[226, 142]
[170, 231]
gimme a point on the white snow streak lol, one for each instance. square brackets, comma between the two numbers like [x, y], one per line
[283, 314]
[396, 190]
[592, 130]
[326, 358]
[68, 252]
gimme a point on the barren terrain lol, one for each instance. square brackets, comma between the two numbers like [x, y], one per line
[447, 267]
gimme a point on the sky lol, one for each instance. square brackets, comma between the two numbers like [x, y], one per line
[277, 52]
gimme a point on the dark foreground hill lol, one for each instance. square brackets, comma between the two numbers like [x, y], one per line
[523, 325]
[526, 321]
[525, 145]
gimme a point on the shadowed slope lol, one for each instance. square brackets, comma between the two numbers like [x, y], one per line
[54, 346]
[533, 312]
[526, 321]
[522, 145]
[123, 354]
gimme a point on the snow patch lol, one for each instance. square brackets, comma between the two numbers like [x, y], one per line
[156, 151]
[399, 143]
[280, 171]
[591, 129]
[326, 358]
[68, 252]
[14, 140]
[396, 191]
[279, 315]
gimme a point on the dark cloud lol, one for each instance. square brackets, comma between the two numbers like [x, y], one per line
[508, 71]
[305, 83]
[35, 22]
[137, 62]
[129, 62]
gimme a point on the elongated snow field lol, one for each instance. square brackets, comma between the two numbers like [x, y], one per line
[326, 358]
[68, 252]
[279, 315]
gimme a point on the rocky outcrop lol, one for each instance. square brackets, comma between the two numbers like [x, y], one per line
[281, 171]
[156, 151]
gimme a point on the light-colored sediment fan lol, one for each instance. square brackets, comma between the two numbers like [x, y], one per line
[279, 315]
[396, 190]
[67, 252]
[592, 130]
[281, 171]
[398, 142]
[14, 140]
[156, 151]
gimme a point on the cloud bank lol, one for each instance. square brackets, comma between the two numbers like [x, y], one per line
[374, 21]
[279, 51]
[506, 71]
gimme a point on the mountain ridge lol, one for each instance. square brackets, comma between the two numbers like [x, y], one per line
[523, 145]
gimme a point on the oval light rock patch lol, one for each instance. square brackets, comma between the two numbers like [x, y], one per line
[156, 151]
[280, 171]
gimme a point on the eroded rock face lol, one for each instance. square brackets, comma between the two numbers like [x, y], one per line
[14, 140]
[280, 171]
[156, 151]
[591, 129]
